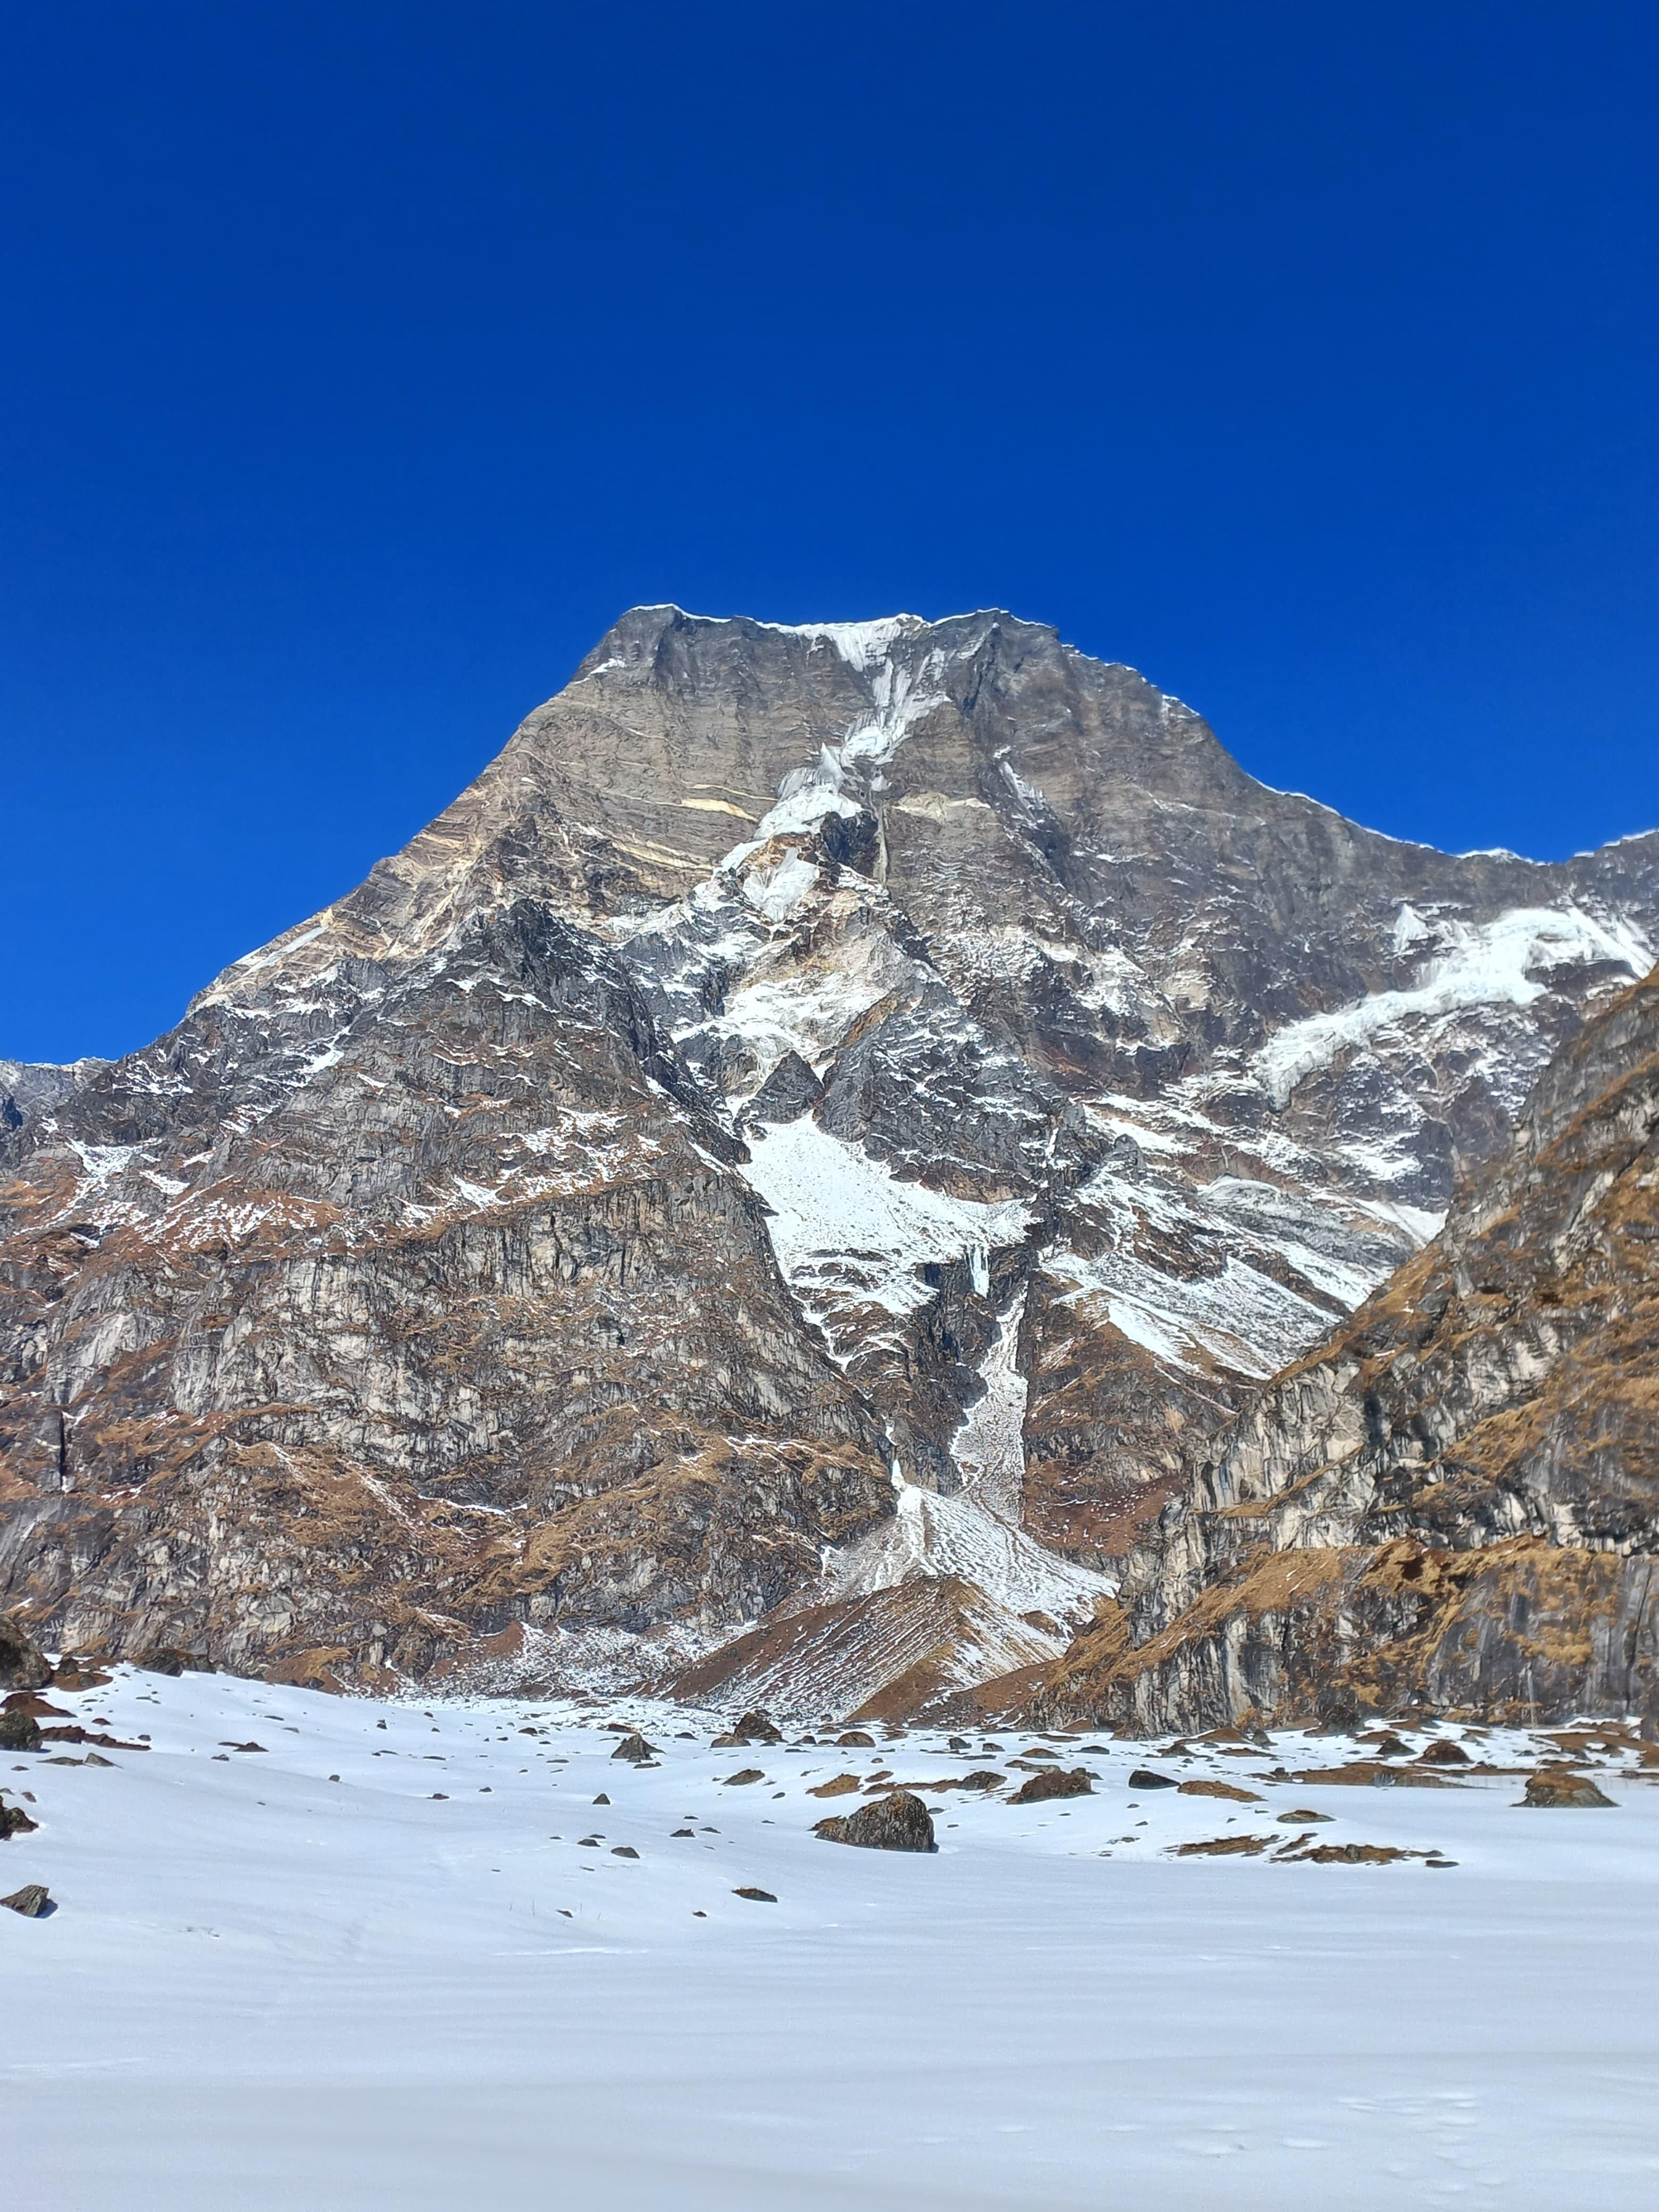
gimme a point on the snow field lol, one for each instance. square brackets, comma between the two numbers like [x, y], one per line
[263, 1987]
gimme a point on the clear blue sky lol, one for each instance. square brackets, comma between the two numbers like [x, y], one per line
[362, 360]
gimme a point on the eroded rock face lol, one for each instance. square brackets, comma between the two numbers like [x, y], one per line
[24, 1664]
[1456, 1501]
[829, 1111]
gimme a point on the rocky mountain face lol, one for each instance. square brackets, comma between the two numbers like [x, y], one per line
[777, 1183]
[1456, 1502]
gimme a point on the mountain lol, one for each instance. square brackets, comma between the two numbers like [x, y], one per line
[1455, 1501]
[778, 1182]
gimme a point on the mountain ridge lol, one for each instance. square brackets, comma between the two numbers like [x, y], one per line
[451, 1274]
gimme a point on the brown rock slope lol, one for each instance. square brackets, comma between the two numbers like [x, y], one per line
[1456, 1500]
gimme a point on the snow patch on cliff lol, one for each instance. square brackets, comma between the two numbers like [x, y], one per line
[842, 1223]
[976, 1534]
[1483, 963]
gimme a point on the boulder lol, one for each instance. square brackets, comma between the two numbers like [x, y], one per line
[1551, 1786]
[843, 1785]
[634, 1746]
[755, 1896]
[1144, 1779]
[19, 1732]
[753, 1728]
[1054, 1782]
[1444, 1752]
[31, 1901]
[983, 1777]
[897, 1822]
[14, 1821]
[24, 1664]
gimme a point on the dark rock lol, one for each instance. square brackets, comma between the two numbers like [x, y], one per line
[1057, 1781]
[1444, 1752]
[1347, 1855]
[1223, 1847]
[743, 1775]
[1144, 1779]
[24, 1664]
[634, 1746]
[897, 1822]
[790, 1090]
[19, 1732]
[755, 1896]
[753, 1728]
[983, 1777]
[855, 1740]
[624, 1851]
[75, 1733]
[31, 1901]
[14, 1821]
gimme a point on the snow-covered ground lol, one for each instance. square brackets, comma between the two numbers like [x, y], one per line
[266, 1986]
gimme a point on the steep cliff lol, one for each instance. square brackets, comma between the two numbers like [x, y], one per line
[829, 1109]
[1456, 1500]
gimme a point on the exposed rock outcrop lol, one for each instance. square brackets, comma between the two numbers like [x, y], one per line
[1456, 1501]
[24, 1664]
